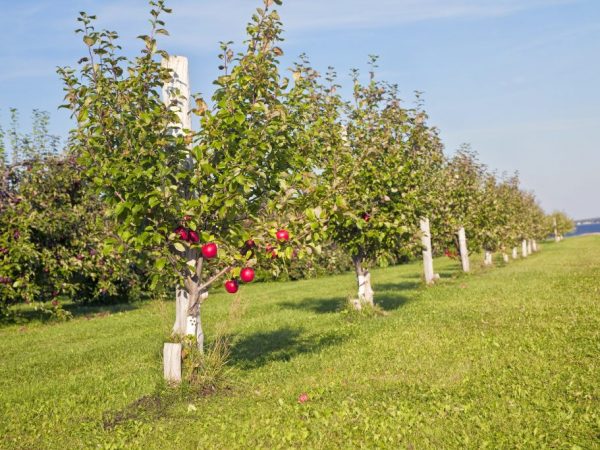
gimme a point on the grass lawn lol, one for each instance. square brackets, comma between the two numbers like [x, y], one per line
[502, 358]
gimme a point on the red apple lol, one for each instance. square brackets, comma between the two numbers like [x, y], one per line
[282, 235]
[247, 274]
[270, 249]
[250, 243]
[187, 218]
[193, 237]
[366, 217]
[209, 250]
[231, 286]
[182, 233]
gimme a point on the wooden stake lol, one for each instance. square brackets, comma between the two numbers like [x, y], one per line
[172, 362]
[176, 95]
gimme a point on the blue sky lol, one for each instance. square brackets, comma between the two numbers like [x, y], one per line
[517, 79]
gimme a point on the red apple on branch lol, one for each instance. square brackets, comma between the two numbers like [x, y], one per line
[209, 251]
[247, 274]
[182, 233]
[366, 217]
[193, 237]
[271, 250]
[231, 286]
[282, 235]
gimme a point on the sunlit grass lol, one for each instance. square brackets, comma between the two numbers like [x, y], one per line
[503, 358]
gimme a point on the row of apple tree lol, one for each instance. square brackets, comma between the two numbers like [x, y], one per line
[280, 170]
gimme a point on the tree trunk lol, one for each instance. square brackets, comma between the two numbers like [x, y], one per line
[524, 248]
[427, 252]
[365, 291]
[505, 258]
[529, 247]
[194, 318]
[488, 260]
[556, 236]
[534, 245]
[515, 253]
[464, 252]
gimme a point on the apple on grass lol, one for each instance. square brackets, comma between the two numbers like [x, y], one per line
[231, 286]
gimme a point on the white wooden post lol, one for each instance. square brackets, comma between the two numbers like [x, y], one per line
[172, 362]
[524, 248]
[464, 252]
[529, 247]
[556, 236]
[176, 95]
[505, 258]
[534, 245]
[515, 253]
[427, 252]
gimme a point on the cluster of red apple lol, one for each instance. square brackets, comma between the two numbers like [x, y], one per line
[247, 273]
[210, 250]
[190, 236]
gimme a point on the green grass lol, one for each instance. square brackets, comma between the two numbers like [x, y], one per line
[503, 358]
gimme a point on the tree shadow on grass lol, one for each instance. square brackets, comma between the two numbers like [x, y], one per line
[317, 305]
[24, 314]
[413, 284]
[283, 344]
[390, 302]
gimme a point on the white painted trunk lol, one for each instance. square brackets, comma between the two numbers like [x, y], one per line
[529, 247]
[427, 252]
[463, 249]
[488, 260]
[515, 253]
[534, 245]
[181, 312]
[505, 258]
[556, 236]
[524, 248]
[172, 362]
[365, 290]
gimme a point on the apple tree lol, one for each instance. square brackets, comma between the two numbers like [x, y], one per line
[199, 206]
[371, 165]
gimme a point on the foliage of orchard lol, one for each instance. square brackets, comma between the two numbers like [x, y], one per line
[282, 176]
[53, 231]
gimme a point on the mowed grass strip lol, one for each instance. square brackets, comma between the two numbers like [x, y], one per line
[502, 358]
